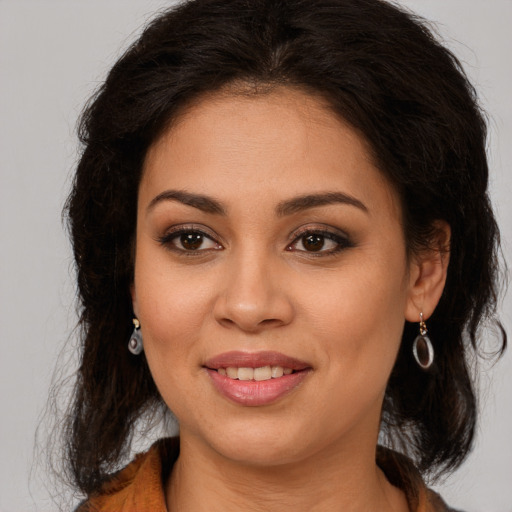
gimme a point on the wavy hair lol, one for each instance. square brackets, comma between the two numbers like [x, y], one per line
[380, 69]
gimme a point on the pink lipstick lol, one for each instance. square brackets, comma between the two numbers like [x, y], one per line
[255, 379]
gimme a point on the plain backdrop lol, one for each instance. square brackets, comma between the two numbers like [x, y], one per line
[53, 54]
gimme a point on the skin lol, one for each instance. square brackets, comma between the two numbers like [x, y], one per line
[253, 285]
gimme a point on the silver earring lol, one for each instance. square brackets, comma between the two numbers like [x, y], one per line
[135, 345]
[422, 347]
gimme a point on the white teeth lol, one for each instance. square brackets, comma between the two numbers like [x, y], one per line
[263, 373]
[245, 373]
[232, 372]
[277, 371]
[258, 374]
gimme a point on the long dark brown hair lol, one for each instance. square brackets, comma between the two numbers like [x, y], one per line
[382, 71]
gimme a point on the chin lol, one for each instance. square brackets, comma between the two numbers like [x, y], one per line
[260, 454]
[262, 445]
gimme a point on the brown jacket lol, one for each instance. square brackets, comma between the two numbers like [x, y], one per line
[139, 486]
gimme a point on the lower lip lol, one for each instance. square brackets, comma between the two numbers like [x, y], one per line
[254, 393]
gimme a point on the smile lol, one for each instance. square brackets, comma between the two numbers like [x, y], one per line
[255, 379]
[258, 374]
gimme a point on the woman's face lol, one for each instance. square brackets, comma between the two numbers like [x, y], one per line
[268, 242]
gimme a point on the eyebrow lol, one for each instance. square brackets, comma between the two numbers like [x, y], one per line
[204, 203]
[288, 207]
[301, 203]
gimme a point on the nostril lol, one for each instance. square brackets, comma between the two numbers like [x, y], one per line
[226, 322]
[271, 321]
[250, 326]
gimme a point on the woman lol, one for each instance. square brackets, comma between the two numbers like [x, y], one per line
[282, 234]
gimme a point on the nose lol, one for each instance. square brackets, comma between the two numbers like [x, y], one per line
[253, 296]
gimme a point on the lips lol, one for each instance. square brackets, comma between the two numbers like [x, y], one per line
[255, 379]
[254, 360]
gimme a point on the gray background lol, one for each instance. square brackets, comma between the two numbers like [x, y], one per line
[53, 54]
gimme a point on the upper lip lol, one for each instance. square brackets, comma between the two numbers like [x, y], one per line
[239, 359]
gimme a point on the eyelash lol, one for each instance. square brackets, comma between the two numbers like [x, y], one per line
[342, 241]
[168, 239]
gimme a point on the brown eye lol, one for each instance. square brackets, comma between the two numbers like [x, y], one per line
[313, 242]
[324, 243]
[191, 241]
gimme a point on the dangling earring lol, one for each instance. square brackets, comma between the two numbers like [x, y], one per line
[422, 347]
[135, 345]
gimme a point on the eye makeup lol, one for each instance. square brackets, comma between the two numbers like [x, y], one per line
[189, 240]
[311, 240]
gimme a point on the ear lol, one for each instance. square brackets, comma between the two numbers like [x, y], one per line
[134, 300]
[427, 275]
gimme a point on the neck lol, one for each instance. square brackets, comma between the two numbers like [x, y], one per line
[335, 479]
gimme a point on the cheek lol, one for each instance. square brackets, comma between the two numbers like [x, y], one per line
[167, 296]
[359, 314]
[170, 330]
[172, 306]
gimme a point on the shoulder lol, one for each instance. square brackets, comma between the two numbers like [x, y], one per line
[140, 485]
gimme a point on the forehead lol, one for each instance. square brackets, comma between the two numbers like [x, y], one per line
[281, 141]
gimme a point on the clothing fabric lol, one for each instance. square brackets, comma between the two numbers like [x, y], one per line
[139, 487]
